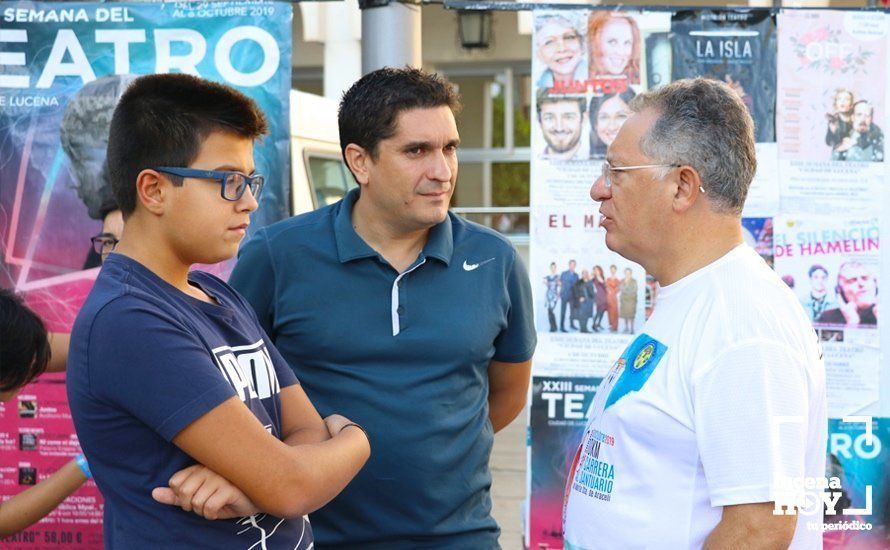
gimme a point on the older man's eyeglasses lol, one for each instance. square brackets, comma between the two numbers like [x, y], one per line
[103, 243]
[232, 184]
[608, 169]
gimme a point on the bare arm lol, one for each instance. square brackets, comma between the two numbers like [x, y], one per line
[507, 391]
[752, 526]
[58, 345]
[283, 480]
[28, 507]
[202, 491]
[300, 422]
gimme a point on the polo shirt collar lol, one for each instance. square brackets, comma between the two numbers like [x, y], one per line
[439, 244]
[349, 245]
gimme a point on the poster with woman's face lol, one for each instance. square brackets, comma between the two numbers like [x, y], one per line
[615, 45]
[607, 115]
[587, 66]
[621, 65]
[560, 44]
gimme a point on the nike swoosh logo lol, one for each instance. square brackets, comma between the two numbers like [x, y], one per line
[471, 267]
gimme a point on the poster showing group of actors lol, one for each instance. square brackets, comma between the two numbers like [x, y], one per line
[64, 67]
[814, 82]
[586, 68]
[594, 300]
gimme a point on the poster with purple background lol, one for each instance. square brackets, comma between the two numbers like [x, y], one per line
[63, 66]
[558, 417]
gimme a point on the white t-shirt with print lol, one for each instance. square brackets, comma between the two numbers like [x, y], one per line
[720, 401]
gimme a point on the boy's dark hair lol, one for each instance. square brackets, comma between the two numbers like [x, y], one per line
[162, 119]
[24, 348]
[369, 109]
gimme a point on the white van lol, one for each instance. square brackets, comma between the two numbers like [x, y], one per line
[318, 175]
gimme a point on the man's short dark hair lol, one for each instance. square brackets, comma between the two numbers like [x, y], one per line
[370, 108]
[545, 97]
[816, 267]
[24, 348]
[162, 120]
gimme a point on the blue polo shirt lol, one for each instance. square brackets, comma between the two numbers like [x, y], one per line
[405, 355]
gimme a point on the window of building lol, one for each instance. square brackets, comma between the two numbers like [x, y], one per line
[495, 129]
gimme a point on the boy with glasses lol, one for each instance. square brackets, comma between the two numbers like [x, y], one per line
[171, 380]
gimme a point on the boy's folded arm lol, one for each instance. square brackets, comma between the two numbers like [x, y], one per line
[300, 422]
[202, 491]
[282, 480]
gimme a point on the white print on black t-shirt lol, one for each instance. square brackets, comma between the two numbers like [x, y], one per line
[253, 523]
[249, 370]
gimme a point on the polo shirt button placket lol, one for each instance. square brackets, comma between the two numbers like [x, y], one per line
[401, 309]
[398, 298]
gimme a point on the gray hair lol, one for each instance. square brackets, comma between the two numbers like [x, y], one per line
[566, 19]
[703, 123]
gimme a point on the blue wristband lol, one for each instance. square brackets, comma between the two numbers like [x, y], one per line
[84, 467]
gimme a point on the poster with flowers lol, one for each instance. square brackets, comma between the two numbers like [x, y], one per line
[831, 87]
[830, 112]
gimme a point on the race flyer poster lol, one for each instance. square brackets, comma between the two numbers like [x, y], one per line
[735, 47]
[63, 67]
[558, 416]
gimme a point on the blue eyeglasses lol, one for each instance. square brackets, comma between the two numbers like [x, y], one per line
[231, 184]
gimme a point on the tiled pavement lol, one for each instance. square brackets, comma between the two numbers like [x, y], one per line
[508, 465]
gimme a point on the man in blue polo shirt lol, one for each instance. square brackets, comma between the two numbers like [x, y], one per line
[414, 322]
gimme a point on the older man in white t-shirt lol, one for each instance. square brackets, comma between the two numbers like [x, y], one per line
[711, 418]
